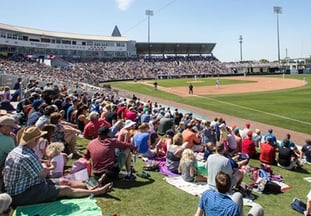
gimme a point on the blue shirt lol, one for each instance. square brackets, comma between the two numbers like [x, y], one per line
[141, 142]
[273, 138]
[214, 204]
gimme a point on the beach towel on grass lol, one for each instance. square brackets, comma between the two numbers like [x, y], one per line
[83, 206]
[195, 189]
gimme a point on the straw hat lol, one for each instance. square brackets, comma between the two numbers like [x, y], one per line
[28, 134]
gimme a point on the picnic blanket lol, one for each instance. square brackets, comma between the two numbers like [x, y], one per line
[195, 189]
[83, 206]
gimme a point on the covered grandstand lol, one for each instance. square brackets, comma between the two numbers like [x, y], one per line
[185, 49]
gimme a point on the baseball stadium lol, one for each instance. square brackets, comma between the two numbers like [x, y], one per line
[53, 67]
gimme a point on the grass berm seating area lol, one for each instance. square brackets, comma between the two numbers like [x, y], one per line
[154, 196]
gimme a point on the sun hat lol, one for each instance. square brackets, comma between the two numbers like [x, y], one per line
[236, 130]
[128, 123]
[8, 121]
[29, 134]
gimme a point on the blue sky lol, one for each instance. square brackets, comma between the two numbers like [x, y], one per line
[215, 21]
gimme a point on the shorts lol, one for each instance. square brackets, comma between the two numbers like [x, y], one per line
[46, 191]
[148, 154]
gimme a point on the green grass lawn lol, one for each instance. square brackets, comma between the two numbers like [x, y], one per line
[283, 108]
[156, 197]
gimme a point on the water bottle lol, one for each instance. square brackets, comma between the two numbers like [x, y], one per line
[134, 158]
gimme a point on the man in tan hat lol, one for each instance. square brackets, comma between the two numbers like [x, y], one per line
[25, 177]
[7, 142]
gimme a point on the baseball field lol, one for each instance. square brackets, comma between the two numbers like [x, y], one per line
[269, 100]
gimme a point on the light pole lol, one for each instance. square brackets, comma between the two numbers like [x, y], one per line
[278, 10]
[241, 41]
[149, 13]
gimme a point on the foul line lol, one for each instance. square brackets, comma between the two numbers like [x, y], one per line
[260, 111]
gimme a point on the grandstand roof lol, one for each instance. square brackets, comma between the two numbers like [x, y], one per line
[175, 48]
[60, 34]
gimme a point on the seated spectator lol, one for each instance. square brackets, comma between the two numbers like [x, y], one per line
[257, 137]
[142, 141]
[209, 149]
[248, 146]
[291, 144]
[91, 128]
[187, 167]
[306, 151]
[106, 163]
[238, 140]
[45, 118]
[6, 105]
[25, 176]
[219, 162]
[56, 159]
[267, 152]
[272, 136]
[7, 141]
[287, 158]
[44, 141]
[35, 112]
[125, 134]
[165, 124]
[208, 133]
[245, 130]
[130, 114]
[174, 152]
[164, 142]
[192, 137]
[217, 202]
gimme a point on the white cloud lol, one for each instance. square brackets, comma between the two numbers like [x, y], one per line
[124, 4]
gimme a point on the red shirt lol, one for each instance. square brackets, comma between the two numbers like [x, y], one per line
[102, 152]
[267, 153]
[129, 114]
[248, 147]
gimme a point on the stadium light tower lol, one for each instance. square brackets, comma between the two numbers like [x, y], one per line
[149, 13]
[278, 10]
[241, 41]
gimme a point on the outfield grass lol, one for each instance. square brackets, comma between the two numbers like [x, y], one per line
[198, 82]
[282, 108]
[156, 197]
